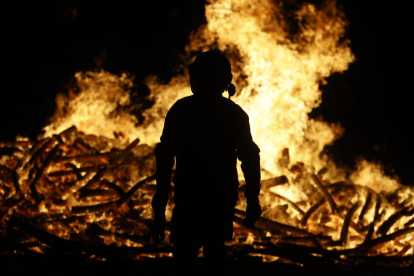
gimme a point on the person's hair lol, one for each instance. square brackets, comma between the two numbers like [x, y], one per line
[210, 73]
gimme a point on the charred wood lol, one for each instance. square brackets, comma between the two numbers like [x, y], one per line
[135, 188]
[293, 204]
[72, 246]
[16, 144]
[407, 211]
[338, 187]
[49, 143]
[76, 171]
[296, 255]
[308, 241]
[254, 230]
[365, 207]
[311, 211]
[409, 223]
[10, 176]
[95, 181]
[268, 183]
[119, 159]
[372, 225]
[347, 221]
[94, 229]
[39, 174]
[93, 208]
[268, 225]
[83, 147]
[67, 133]
[113, 187]
[387, 238]
[105, 194]
[96, 159]
[15, 178]
[325, 193]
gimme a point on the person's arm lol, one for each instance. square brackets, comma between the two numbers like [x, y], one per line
[164, 156]
[165, 152]
[248, 154]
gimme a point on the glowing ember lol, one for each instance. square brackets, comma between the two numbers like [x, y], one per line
[84, 184]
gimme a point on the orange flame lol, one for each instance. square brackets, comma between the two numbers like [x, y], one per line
[278, 75]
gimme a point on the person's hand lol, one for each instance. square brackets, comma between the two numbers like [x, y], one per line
[253, 212]
[158, 228]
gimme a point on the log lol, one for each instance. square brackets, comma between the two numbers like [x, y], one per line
[386, 238]
[337, 188]
[404, 250]
[325, 193]
[94, 229]
[113, 187]
[95, 181]
[12, 201]
[49, 142]
[135, 188]
[93, 208]
[96, 159]
[293, 204]
[74, 172]
[347, 221]
[98, 192]
[372, 225]
[10, 176]
[297, 255]
[78, 247]
[365, 207]
[383, 229]
[268, 225]
[254, 230]
[15, 178]
[120, 158]
[322, 171]
[308, 241]
[52, 154]
[38, 145]
[67, 132]
[312, 210]
[84, 147]
[408, 223]
[105, 206]
[16, 144]
[268, 183]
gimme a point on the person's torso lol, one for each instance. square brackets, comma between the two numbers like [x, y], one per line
[205, 138]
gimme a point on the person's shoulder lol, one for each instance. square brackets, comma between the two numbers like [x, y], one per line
[185, 101]
[234, 107]
[182, 103]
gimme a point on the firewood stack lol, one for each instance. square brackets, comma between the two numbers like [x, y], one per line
[90, 196]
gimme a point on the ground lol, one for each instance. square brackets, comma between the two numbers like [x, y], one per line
[52, 265]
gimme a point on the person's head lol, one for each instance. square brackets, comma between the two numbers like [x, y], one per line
[210, 74]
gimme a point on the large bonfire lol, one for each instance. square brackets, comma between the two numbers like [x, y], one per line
[88, 181]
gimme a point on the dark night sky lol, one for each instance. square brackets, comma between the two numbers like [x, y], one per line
[44, 44]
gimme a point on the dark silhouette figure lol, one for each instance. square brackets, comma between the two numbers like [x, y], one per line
[205, 133]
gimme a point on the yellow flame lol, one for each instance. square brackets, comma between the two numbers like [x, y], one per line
[96, 108]
[277, 72]
[372, 176]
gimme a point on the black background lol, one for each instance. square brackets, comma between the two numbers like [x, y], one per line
[43, 44]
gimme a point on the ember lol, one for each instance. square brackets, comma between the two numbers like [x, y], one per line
[78, 190]
[58, 196]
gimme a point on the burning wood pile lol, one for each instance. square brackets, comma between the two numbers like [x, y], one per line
[88, 196]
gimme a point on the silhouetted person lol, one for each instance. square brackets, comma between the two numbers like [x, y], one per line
[205, 133]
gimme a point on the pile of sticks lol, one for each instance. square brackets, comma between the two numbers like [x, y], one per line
[75, 194]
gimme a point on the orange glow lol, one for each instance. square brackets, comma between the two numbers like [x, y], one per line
[277, 75]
